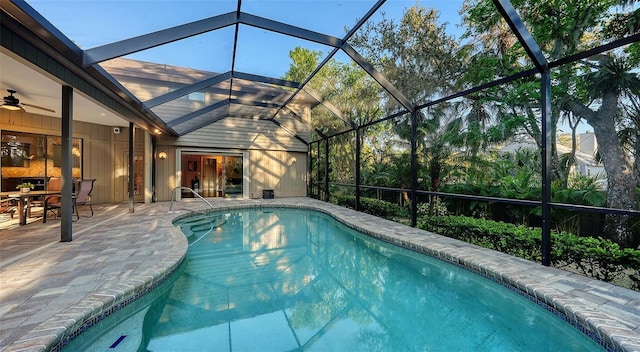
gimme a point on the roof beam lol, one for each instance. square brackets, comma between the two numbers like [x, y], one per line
[288, 111]
[514, 21]
[295, 135]
[332, 108]
[287, 29]
[378, 77]
[197, 113]
[117, 49]
[186, 90]
[264, 79]
[62, 58]
[259, 104]
[150, 40]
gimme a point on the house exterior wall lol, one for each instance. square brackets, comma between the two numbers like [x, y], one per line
[98, 146]
[166, 176]
[269, 148]
[242, 134]
[276, 159]
[283, 172]
[120, 151]
[587, 143]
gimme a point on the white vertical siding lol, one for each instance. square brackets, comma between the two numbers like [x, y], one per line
[241, 133]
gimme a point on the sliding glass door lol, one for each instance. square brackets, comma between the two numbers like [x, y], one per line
[211, 175]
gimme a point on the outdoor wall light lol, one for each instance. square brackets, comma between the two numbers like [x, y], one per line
[162, 155]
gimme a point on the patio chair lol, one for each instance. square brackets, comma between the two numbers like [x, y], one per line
[83, 196]
[52, 203]
[7, 206]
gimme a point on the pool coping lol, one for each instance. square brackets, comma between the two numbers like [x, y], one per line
[608, 313]
[55, 332]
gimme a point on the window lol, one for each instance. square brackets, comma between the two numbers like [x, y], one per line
[34, 157]
[195, 96]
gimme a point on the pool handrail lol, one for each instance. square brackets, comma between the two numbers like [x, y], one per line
[173, 193]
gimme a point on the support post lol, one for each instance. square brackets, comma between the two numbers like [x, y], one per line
[327, 170]
[310, 180]
[321, 189]
[131, 167]
[154, 165]
[357, 167]
[66, 210]
[414, 167]
[546, 166]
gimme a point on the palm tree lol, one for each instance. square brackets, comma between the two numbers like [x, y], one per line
[439, 140]
[568, 160]
[629, 133]
[611, 82]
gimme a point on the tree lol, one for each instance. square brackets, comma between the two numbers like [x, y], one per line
[593, 89]
[303, 63]
[412, 52]
[420, 59]
[352, 92]
[568, 160]
[610, 83]
[630, 132]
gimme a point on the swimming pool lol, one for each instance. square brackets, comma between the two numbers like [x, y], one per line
[284, 279]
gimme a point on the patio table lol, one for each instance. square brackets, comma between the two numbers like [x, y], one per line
[24, 201]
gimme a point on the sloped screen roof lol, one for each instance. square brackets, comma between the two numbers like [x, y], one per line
[229, 58]
[193, 63]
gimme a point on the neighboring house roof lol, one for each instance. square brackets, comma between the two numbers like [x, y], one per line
[223, 96]
[581, 158]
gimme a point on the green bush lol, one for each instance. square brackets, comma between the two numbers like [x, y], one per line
[377, 207]
[593, 257]
[507, 238]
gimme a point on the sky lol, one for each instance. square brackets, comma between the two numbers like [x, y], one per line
[90, 23]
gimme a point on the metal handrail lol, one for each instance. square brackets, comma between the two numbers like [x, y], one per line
[173, 193]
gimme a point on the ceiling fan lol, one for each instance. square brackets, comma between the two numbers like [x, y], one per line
[13, 103]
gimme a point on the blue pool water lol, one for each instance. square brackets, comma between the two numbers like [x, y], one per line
[285, 280]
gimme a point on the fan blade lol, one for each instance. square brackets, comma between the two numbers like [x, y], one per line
[37, 107]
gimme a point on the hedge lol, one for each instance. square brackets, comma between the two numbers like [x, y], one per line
[377, 207]
[593, 257]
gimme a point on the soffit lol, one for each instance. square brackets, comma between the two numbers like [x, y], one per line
[37, 88]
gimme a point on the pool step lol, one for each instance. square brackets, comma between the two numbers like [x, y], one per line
[197, 224]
